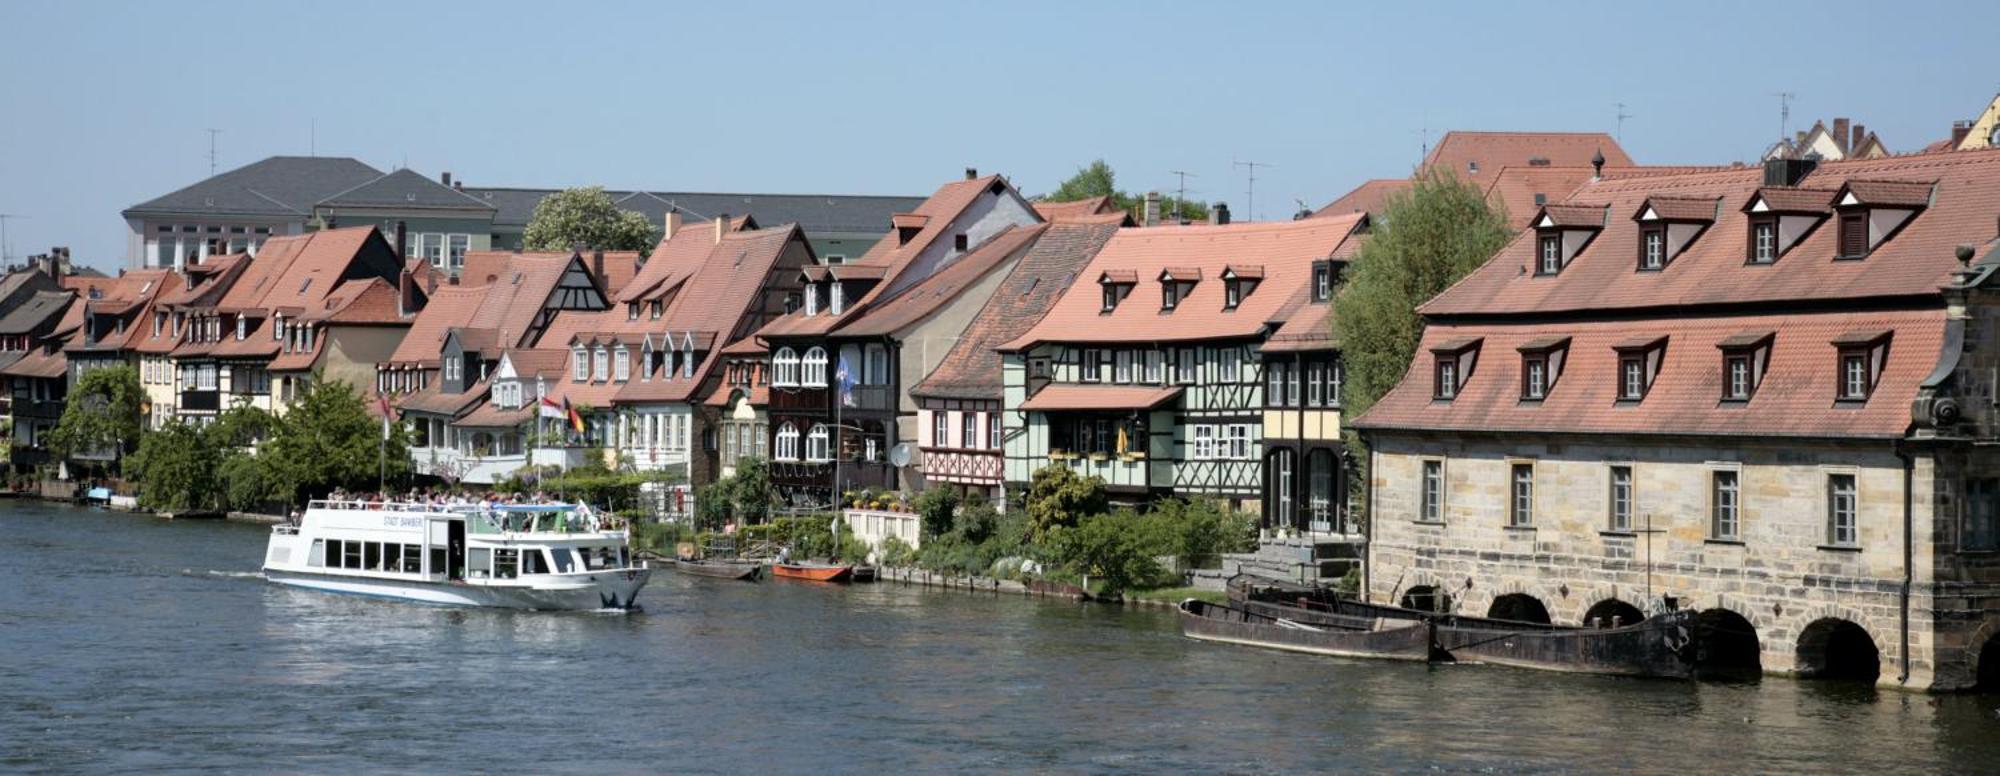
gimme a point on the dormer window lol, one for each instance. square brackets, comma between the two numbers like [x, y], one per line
[1667, 225]
[657, 307]
[812, 299]
[1452, 361]
[1744, 359]
[1763, 240]
[959, 242]
[1322, 287]
[1638, 364]
[1562, 232]
[579, 365]
[600, 364]
[631, 311]
[1116, 285]
[1237, 283]
[1873, 211]
[836, 298]
[1541, 364]
[1780, 217]
[242, 327]
[1862, 355]
[621, 365]
[1175, 285]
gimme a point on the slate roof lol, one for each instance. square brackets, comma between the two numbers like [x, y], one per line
[280, 186]
[972, 369]
[36, 312]
[1284, 249]
[816, 213]
[405, 189]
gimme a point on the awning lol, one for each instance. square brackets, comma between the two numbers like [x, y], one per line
[1070, 397]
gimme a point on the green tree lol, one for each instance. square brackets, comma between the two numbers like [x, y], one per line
[1108, 548]
[327, 439]
[587, 216]
[176, 469]
[1058, 498]
[936, 507]
[102, 415]
[750, 490]
[240, 426]
[1429, 237]
[1097, 179]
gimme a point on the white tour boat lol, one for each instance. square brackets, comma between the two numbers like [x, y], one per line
[553, 556]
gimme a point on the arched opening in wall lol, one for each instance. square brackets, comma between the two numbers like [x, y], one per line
[1518, 607]
[1989, 666]
[1833, 648]
[1426, 598]
[1612, 613]
[1726, 647]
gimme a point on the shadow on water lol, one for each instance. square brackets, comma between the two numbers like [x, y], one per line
[120, 658]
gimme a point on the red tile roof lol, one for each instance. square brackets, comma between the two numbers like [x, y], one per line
[435, 401]
[450, 307]
[972, 368]
[359, 302]
[893, 314]
[1795, 398]
[1712, 270]
[1070, 396]
[1285, 249]
[1092, 206]
[1457, 150]
[729, 287]
[1369, 197]
[1682, 208]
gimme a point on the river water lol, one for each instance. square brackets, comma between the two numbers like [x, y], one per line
[130, 644]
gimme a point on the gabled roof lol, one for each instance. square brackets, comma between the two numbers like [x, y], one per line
[1712, 269]
[1571, 216]
[1671, 208]
[517, 296]
[1306, 326]
[972, 369]
[280, 186]
[729, 285]
[1369, 197]
[450, 307]
[1792, 200]
[128, 297]
[435, 401]
[892, 315]
[40, 309]
[404, 189]
[1458, 150]
[1892, 193]
[676, 258]
[1079, 209]
[1286, 251]
[359, 302]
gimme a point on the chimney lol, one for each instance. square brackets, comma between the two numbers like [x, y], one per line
[1597, 165]
[458, 185]
[971, 173]
[405, 293]
[1860, 134]
[672, 224]
[721, 227]
[445, 178]
[1219, 214]
[403, 242]
[1959, 129]
[1152, 211]
[597, 264]
[1840, 135]
[1787, 172]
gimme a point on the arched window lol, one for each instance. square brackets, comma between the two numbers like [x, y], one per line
[813, 368]
[785, 369]
[788, 443]
[817, 448]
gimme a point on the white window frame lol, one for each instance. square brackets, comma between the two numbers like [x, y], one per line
[1431, 489]
[969, 436]
[819, 444]
[600, 364]
[1520, 494]
[940, 429]
[1834, 525]
[784, 371]
[580, 366]
[1616, 519]
[1716, 506]
[812, 368]
[787, 448]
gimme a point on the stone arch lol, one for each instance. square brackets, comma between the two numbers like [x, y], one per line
[1982, 658]
[1519, 607]
[1429, 598]
[1726, 645]
[1612, 613]
[1837, 648]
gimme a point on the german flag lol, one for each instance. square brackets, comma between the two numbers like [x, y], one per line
[575, 418]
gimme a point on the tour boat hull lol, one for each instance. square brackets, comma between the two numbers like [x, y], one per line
[721, 569]
[1205, 621]
[814, 572]
[610, 589]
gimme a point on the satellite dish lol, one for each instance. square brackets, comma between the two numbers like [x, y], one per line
[902, 455]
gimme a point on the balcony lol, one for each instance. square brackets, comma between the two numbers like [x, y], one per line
[201, 401]
[869, 398]
[816, 474]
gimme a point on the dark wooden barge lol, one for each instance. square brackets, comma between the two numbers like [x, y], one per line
[1398, 640]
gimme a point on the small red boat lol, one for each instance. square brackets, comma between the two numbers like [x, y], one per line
[816, 572]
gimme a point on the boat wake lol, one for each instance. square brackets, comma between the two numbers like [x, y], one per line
[224, 574]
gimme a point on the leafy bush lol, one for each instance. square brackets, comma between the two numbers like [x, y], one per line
[937, 507]
[1058, 498]
[1110, 549]
[896, 552]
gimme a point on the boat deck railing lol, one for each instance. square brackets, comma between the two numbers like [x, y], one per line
[388, 506]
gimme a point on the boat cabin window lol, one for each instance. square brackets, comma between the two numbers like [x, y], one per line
[506, 563]
[318, 555]
[534, 562]
[413, 559]
[479, 562]
[565, 561]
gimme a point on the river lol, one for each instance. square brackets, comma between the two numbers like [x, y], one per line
[131, 644]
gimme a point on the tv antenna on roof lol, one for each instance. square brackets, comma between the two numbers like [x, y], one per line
[1622, 116]
[1250, 190]
[211, 150]
[6, 255]
[1180, 200]
[1784, 113]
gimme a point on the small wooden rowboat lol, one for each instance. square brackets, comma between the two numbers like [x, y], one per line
[816, 572]
[1387, 640]
[724, 569]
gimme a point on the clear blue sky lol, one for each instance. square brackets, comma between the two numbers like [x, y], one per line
[105, 105]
